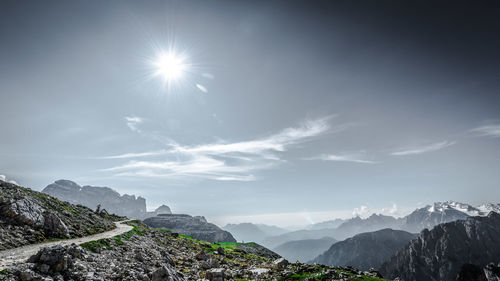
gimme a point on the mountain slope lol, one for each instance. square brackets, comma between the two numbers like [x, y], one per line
[246, 232]
[273, 241]
[28, 217]
[366, 250]
[304, 250]
[440, 253]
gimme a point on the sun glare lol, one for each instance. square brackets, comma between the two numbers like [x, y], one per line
[170, 66]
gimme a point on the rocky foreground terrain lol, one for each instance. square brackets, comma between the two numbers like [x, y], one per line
[159, 254]
[28, 217]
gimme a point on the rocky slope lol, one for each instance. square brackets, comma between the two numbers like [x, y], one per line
[196, 227]
[366, 250]
[28, 217]
[440, 253]
[158, 254]
[105, 197]
[304, 250]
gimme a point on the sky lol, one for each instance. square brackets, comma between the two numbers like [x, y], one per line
[282, 112]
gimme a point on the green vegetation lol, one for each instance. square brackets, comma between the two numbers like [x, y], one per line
[96, 246]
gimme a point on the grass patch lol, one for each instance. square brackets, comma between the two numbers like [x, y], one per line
[96, 246]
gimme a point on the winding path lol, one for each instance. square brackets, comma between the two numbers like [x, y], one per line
[12, 256]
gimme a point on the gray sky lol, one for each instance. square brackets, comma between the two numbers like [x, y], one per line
[285, 113]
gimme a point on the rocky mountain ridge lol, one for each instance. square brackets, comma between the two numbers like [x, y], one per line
[366, 250]
[196, 227]
[105, 197]
[440, 253]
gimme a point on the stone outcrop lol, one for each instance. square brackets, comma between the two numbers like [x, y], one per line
[196, 227]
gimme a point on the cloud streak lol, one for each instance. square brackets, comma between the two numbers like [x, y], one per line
[492, 130]
[423, 149]
[222, 161]
[357, 157]
[133, 123]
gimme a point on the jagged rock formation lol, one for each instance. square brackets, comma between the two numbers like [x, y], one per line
[196, 227]
[105, 197]
[440, 253]
[28, 217]
[304, 250]
[366, 250]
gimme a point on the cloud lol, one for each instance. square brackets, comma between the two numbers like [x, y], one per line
[356, 157]
[492, 130]
[361, 211]
[133, 122]
[202, 88]
[223, 161]
[4, 178]
[423, 149]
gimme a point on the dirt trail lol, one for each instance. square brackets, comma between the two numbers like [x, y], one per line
[12, 256]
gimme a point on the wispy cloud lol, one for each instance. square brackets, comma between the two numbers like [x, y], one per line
[354, 157]
[133, 122]
[492, 130]
[223, 161]
[423, 149]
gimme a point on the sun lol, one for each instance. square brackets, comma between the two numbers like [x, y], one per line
[170, 66]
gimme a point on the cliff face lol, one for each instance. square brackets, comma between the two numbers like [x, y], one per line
[196, 227]
[440, 253]
[92, 196]
[366, 250]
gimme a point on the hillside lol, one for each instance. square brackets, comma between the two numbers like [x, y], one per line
[440, 253]
[366, 250]
[159, 254]
[304, 250]
[28, 217]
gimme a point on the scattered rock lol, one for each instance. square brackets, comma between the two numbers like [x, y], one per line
[216, 274]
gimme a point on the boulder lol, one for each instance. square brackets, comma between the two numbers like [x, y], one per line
[165, 273]
[280, 263]
[23, 211]
[54, 226]
[216, 274]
